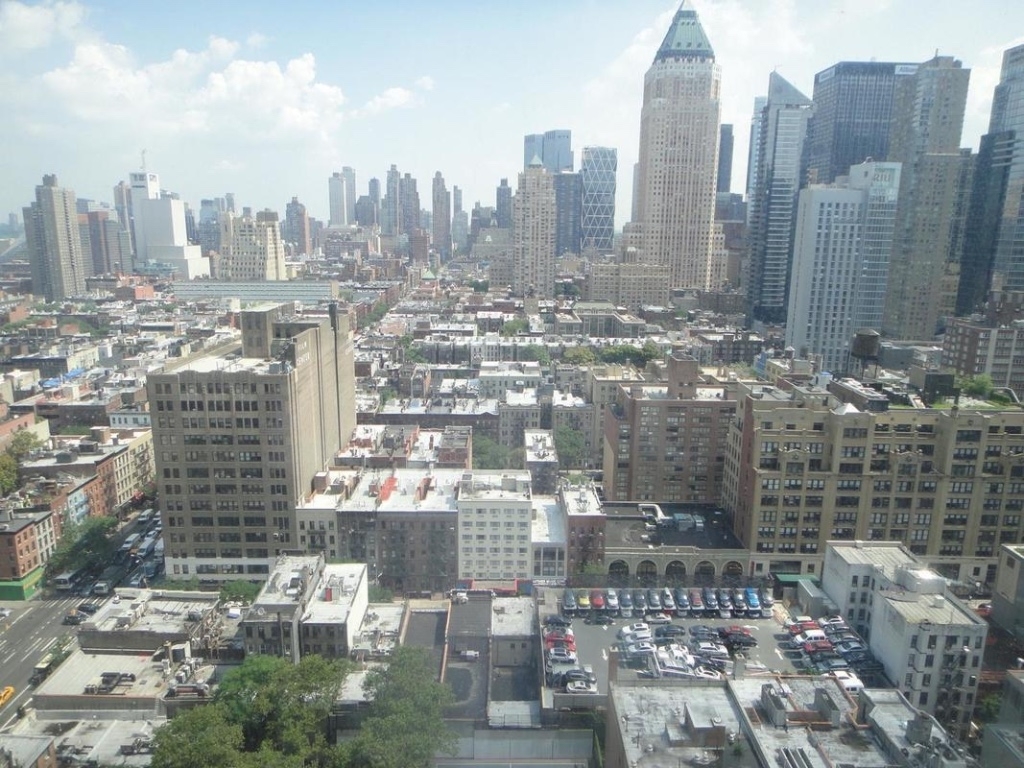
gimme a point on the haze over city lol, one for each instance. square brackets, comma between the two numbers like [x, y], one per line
[267, 102]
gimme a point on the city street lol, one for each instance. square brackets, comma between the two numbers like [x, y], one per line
[26, 635]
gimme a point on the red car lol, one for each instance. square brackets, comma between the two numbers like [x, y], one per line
[816, 646]
[597, 600]
[796, 629]
[569, 645]
[559, 634]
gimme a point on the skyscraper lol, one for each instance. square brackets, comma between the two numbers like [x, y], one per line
[349, 175]
[391, 209]
[442, 217]
[336, 189]
[674, 194]
[409, 205]
[160, 232]
[553, 148]
[296, 227]
[852, 114]
[568, 212]
[598, 168]
[503, 205]
[782, 128]
[533, 233]
[753, 151]
[993, 254]
[844, 239]
[251, 247]
[374, 190]
[54, 243]
[102, 243]
[460, 220]
[928, 116]
[725, 148]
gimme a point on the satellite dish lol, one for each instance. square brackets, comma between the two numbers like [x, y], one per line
[261, 611]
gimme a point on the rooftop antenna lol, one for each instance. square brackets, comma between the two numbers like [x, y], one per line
[143, 161]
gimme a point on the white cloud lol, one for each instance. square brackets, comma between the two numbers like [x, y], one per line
[26, 27]
[256, 40]
[392, 98]
[425, 83]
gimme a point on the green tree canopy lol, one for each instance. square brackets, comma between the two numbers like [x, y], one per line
[579, 356]
[406, 727]
[83, 545]
[515, 327]
[571, 448]
[535, 353]
[22, 444]
[976, 386]
[8, 473]
[489, 454]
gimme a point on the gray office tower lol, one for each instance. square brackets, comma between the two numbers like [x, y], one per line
[597, 172]
[927, 119]
[568, 212]
[553, 148]
[852, 116]
[994, 232]
[503, 205]
[725, 147]
[782, 127]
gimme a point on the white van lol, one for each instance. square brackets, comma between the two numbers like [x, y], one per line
[809, 635]
[849, 681]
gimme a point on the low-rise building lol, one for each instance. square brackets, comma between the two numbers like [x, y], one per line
[1008, 595]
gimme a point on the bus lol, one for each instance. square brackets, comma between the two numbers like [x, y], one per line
[67, 581]
[42, 670]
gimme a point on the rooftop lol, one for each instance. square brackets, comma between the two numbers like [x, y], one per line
[332, 601]
[512, 616]
[548, 521]
[158, 612]
[581, 500]
[397, 490]
[936, 609]
[883, 554]
[287, 583]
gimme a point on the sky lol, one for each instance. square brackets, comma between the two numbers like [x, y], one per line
[267, 100]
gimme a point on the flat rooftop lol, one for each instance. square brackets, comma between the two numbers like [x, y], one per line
[287, 582]
[398, 490]
[153, 611]
[882, 554]
[332, 600]
[937, 609]
[512, 616]
[581, 500]
[548, 525]
[82, 669]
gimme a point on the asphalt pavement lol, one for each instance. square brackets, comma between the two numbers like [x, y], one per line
[28, 634]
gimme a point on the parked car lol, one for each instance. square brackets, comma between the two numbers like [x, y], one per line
[767, 599]
[696, 602]
[639, 602]
[74, 619]
[724, 599]
[735, 629]
[582, 600]
[670, 630]
[626, 604]
[848, 647]
[611, 601]
[697, 629]
[739, 602]
[631, 629]
[659, 618]
[559, 633]
[668, 601]
[710, 650]
[753, 602]
[569, 601]
[640, 648]
[89, 608]
[580, 686]
[653, 600]
[601, 619]
[568, 645]
[554, 620]
[579, 674]
[562, 655]
[740, 640]
[597, 599]
[710, 600]
[682, 602]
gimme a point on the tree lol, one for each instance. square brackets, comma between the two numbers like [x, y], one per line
[8, 473]
[405, 727]
[201, 737]
[579, 356]
[515, 327]
[489, 454]
[480, 286]
[979, 386]
[85, 545]
[988, 708]
[570, 446]
[22, 444]
[536, 353]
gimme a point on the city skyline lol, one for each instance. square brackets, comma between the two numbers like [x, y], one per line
[91, 86]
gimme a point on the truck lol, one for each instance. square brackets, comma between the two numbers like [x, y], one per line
[42, 670]
[110, 579]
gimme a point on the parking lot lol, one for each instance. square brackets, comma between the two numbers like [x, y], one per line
[594, 643]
